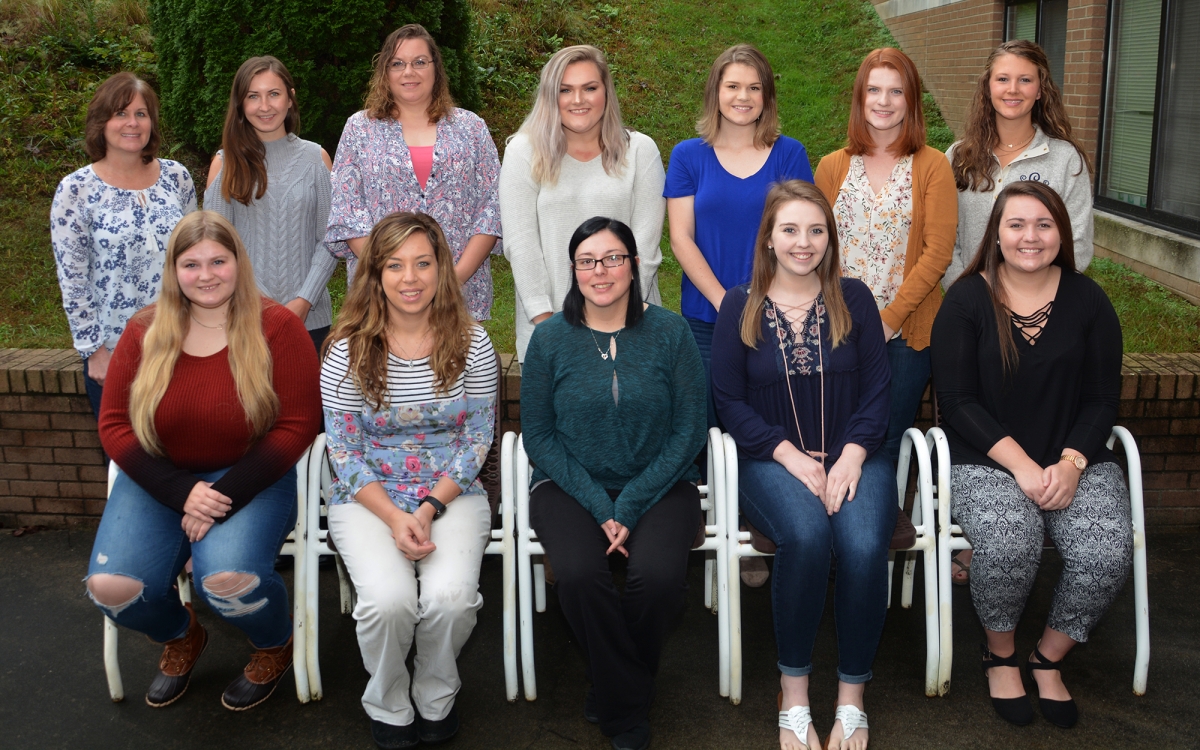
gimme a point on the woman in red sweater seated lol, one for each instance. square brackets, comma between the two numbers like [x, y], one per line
[211, 398]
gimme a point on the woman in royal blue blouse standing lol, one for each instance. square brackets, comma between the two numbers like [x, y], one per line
[800, 379]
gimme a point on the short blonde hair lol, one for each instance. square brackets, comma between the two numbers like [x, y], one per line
[709, 123]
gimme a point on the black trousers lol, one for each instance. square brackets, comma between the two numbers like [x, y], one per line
[621, 635]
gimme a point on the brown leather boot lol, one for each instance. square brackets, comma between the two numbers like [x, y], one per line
[256, 683]
[175, 666]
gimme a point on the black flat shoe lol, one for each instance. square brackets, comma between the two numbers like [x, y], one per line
[1059, 713]
[392, 737]
[435, 732]
[637, 738]
[590, 712]
[1017, 711]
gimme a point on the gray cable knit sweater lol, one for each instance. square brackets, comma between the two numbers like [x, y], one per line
[284, 231]
[1048, 160]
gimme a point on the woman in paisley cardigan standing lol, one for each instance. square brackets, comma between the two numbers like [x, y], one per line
[411, 149]
[409, 389]
[110, 221]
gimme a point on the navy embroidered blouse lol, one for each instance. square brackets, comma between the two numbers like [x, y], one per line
[750, 386]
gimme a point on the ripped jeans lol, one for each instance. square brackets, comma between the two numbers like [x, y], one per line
[142, 539]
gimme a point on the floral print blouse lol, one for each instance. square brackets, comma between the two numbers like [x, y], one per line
[873, 228]
[109, 246]
[373, 176]
[418, 437]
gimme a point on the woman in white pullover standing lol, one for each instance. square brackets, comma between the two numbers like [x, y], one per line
[571, 160]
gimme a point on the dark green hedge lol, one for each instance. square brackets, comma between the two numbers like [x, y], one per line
[327, 46]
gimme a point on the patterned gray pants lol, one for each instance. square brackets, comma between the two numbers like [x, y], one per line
[1093, 535]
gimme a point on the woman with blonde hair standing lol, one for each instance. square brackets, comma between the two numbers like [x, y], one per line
[409, 388]
[893, 198]
[274, 188]
[411, 149]
[571, 160]
[217, 485]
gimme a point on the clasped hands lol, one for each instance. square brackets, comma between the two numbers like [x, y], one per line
[617, 534]
[839, 484]
[411, 531]
[201, 509]
[1052, 488]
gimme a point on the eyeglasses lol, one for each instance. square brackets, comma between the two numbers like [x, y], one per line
[589, 264]
[397, 66]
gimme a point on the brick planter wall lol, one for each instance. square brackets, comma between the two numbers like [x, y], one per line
[53, 473]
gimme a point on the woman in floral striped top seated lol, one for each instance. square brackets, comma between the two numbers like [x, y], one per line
[409, 391]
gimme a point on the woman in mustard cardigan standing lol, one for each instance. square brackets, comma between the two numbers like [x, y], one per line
[896, 208]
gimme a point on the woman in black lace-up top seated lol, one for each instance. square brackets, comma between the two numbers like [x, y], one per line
[1027, 364]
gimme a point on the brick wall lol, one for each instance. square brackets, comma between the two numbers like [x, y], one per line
[1083, 70]
[52, 471]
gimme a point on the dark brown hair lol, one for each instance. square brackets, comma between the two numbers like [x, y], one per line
[111, 97]
[973, 161]
[912, 130]
[988, 256]
[380, 105]
[244, 167]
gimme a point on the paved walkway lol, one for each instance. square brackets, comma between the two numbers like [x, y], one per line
[53, 692]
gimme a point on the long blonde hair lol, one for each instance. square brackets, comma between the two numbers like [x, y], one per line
[543, 124]
[829, 271]
[363, 320]
[249, 356]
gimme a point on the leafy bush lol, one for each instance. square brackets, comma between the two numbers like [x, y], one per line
[327, 46]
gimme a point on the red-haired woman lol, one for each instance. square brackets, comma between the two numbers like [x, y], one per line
[895, 205]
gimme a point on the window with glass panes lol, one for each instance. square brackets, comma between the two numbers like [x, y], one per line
[1044, 22]
[1150, 148]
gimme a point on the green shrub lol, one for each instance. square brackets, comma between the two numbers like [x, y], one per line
[327, 46]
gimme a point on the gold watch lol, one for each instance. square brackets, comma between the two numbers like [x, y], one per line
[1079, 461]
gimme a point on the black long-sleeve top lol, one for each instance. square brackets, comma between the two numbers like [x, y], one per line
[1063, 392]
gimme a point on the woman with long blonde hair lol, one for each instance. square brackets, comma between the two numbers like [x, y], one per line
[800, 379]
[411, 149]
[571, 160]
[409, 391]
[210, 403]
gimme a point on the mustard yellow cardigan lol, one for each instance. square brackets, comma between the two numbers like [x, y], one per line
[930, 238]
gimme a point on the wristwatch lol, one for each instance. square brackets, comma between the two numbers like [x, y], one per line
[1079, 461]
[438, 507]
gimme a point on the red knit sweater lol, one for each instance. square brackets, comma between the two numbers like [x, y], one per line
[201, 423]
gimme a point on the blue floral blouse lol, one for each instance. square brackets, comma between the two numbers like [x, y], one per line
[418, 437]
[373, 176]
[110, 244]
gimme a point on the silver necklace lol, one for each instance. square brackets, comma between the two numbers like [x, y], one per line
[407, 360]
[611, 343]
[217, 327]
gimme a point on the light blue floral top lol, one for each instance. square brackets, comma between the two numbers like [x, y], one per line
[373, 176]
[109, 245]
[417, 437]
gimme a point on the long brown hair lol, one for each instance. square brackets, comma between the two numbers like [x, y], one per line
[363, 321]
[829, 270]
[988, 257]
[112, 96]
[380, 104]
[709, 124]
[244, 169]
[973, 162]
[912, 130]
[249, 355]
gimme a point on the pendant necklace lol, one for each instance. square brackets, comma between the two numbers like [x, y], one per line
[612, 342]
[217, 327]
[787, 371]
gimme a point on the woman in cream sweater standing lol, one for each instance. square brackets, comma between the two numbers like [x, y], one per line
[894, 199]
[571, 160]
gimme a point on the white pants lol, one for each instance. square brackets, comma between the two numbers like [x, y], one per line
[433, 600]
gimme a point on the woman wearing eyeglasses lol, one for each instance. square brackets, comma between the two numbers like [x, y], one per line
[411, 149]
[613, 425]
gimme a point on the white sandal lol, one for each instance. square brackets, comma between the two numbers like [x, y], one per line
[798, 719]
[851, 719]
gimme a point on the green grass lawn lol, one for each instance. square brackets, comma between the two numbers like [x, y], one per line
[660, 54]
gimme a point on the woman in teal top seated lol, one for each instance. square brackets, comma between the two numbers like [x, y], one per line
[613, 423]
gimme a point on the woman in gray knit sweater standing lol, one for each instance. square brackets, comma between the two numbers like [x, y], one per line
[274, 188]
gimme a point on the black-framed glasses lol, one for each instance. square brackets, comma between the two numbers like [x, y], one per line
[589, 264]
[420, 63]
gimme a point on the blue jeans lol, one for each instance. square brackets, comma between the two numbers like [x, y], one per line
[859, 534]
[910, 375]
[703, 334]
[94, 390]
[142, 539]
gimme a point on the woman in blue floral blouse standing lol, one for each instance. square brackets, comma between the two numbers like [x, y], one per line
[411, 149]
[110, 221]
[409, 391]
